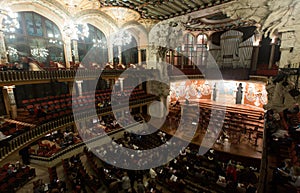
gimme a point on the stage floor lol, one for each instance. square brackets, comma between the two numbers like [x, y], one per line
[246, 147]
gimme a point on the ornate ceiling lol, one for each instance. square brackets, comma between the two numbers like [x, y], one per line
[162, 9]
[216, 22]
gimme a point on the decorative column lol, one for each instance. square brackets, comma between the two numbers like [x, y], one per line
[67, 51]
[139, 56]
[120, 54]
[121, 84]
[9, 100]
[271, 60]
[110, 52]
[79, 86]
[75, 51]
[254, 57]
[70, 87]
[3, 54]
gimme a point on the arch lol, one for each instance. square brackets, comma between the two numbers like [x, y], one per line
[96, 43]
[45, 9]
[98, 19]
[201, 38]
[37, 37]
[139, 32]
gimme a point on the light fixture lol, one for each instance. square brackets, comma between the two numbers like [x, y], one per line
[99, 43]
[10, 20]
[121, 15]
[123, 37]
[76, 30]
[12, 52]
[40, 53]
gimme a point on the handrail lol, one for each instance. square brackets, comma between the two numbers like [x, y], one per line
[52, 161]
[39, 131]
[22, 76]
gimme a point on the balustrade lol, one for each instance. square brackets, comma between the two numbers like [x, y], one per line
[39, 131]
[21, 76]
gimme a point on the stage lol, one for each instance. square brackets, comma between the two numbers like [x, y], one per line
[243, 123]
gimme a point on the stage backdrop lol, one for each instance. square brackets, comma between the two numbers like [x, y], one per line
[253, 93]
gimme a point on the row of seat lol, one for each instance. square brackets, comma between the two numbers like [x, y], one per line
[12, 180]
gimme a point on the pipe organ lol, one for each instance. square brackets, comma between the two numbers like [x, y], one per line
[230, 41]
[233, 52]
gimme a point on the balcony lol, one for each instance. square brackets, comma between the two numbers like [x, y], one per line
[78, 148]
[21, 77]
[38, 132]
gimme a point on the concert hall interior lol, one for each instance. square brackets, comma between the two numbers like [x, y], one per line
[153, 96]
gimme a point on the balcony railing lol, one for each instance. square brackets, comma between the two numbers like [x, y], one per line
[38, 132]
[22, 76]
[77, 148]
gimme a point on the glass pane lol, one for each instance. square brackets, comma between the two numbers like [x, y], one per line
[29, 24]
[202, 39]
[49, 29]
[38, 25]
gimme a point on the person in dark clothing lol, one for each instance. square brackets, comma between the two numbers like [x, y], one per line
[140, 187]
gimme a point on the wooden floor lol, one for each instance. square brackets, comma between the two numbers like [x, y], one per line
[245, 148]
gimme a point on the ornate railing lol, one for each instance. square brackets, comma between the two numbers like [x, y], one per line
[38, 132]
[22, 76]
[76, 148]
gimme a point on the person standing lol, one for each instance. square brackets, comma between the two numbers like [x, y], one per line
[140, 187]
[126, 186]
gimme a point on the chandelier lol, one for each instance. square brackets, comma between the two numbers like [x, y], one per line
[121, 38]
[99, 43]
[76, 30]
[10, 20]
[12, 51]
[40, 53]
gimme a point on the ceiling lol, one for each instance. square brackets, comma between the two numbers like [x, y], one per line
[123, 11]
[162, 9]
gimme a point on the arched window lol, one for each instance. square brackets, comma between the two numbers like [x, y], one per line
[129, 52]
[202, 40]
[187, 49]
[201, 49]
[37, 37]
[97, 39]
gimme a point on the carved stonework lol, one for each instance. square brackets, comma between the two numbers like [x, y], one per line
[160, 89]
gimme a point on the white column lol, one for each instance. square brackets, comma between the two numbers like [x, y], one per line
[67, 51]
[121, 84]
[110, 52]
[3, 54]
[79, 86]
[120, 54]
[139, 56]
[10, 101]
[75, 50]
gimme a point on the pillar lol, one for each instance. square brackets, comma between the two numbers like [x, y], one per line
[271, 60]
[70, 87]
[67, 51]
[75, 50]
[121, 84]
[139, 56]
[52, 174]
[120, 54]
[10, 102]
[254, 57]
[3, 54]
[110, 53]
[79, 86]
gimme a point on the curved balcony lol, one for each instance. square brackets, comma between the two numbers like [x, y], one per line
[78, 148]
[21, 77]
[7, 148]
